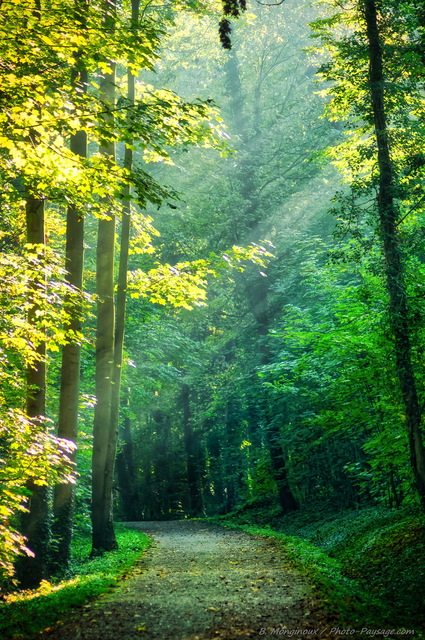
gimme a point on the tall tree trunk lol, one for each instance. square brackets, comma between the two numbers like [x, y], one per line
[231, 457]
[35, 524]
[123, 268]
[103, 440]
[163, 465]
[258, 296]
[125, 470]
[216, 468]
[396, 284]
[63, 500]
[192, 456]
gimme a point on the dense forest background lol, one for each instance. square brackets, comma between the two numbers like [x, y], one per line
[285, 382]
[256, 216]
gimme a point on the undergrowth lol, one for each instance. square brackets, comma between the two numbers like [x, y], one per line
[368, 565]
[26, 612]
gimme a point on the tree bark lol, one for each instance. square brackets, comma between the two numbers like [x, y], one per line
[216, 468]
[126, 471]
[233, 480]
[103, 458]
[163, 467]
[63, 500]
[258, 296]
[35, 524]
[395, 279]
[192, 457]
[122, 272]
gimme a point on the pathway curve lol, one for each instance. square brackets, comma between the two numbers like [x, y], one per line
[198, 582]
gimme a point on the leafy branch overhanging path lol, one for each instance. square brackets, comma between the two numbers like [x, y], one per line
[199, 582]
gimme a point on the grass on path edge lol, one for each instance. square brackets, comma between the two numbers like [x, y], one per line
[347, 604]
[27, 612]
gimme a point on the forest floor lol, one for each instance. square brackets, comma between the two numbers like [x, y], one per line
[197, 582]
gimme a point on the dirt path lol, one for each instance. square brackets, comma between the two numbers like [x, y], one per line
[199, 582]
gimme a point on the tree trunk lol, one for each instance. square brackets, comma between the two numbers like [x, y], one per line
[231, 457]
[35, 524]
[396, 285]
[258, 296]
[192, 456]
[104, 442]
[125, 471]
[163, 465]
[63, 501]
[216, 469]
[122, 273]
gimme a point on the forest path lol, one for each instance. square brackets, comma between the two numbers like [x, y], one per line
[198, 582]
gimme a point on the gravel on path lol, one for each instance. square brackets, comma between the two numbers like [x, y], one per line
[198, 582]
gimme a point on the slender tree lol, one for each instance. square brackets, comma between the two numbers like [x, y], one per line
[123, 262]
[103, 457]
[125, 465]
[192, 455]
[388, 219]
[63, 505]
[35, 522]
